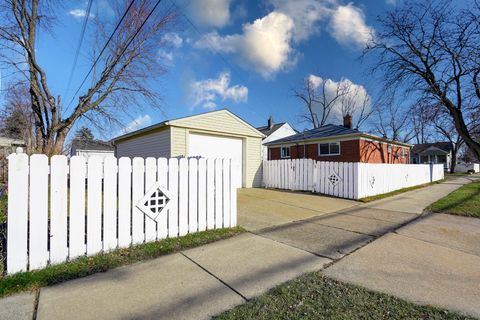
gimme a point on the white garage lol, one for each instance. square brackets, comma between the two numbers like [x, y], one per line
[217, 134]
[215, 146]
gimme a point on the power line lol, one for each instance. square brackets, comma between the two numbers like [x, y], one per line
[79, 45]
[101, 52]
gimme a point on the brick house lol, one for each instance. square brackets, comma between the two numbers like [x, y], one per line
[341, 144]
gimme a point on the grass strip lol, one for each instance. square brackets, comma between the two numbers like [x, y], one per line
[465, 201]
[85, 266]
[314, 296]
[399, 191]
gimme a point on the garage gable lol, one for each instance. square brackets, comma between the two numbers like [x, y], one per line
[218, 121]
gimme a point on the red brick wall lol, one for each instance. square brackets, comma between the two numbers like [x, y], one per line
[376, 152]
[350, 151]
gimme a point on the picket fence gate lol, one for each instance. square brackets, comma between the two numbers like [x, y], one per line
[73, 207]
[351, 180]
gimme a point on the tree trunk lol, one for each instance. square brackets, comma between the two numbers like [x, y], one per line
[453, 160]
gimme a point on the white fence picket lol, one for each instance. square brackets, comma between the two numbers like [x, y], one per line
[17, 213]
[202, 194]
[183, 197]
[95, 201]
[58, 209]
[124, 202]
[210, 194]
[218, 193]
[150, 180]
[162, 220]
[78, 176]
[110, 170]
[138, 191]
[192, 195]
[94, 205]
[173, 189]
[226, 193]
[38, 211]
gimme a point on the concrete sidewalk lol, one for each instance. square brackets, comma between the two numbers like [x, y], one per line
[202, 282]
[434, 260]
[194, 284]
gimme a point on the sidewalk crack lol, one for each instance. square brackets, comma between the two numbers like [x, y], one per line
[213, 275]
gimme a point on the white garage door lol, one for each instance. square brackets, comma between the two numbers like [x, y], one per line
[210, 146]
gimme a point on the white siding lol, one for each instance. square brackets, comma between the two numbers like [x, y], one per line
[282, 132]
[155, 144]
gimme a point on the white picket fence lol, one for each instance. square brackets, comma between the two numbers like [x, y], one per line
[351, 180]
[65, 209]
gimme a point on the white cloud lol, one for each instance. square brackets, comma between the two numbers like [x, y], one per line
[305, 13]
[79, 13]
[137, 123]
[210, 13]
[348, 26]
[267, 45]
[264, 45]
[173, 39]
[166, 56]
[206, 92]
[353, 100]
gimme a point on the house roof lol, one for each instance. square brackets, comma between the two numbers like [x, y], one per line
[327, 131]
[266, 130]
[99, 145]
[178, 121]
[443, 145]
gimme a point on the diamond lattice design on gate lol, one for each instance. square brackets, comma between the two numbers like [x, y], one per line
[155, 201]
[334, 179]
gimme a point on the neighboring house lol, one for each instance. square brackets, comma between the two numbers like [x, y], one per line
[437, 152]
[274, 131]
[9, 145]
[216, 134]
[339, 143]
[88, 148]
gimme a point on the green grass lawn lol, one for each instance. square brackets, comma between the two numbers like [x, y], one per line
[314, 296]
[85, 266]
[464, 201]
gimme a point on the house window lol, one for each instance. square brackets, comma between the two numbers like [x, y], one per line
[389, 148]
[329, 149]
[285, 152]
[403, 153]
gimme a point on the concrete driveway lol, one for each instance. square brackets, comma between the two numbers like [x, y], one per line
[261, 208]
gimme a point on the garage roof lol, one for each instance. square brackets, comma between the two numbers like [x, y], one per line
[183, 122]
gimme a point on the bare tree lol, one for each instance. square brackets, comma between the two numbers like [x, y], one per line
[433, 47]
[122, 78]
[445, 128]
[356, 103]
[421, 122]
[392, 120]
[16, 118]
[318, 100]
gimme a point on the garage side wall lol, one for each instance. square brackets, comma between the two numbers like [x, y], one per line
[254, 162]
[155, 144]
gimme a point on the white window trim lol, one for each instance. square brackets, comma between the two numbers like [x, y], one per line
[281, 153]
[329, 154]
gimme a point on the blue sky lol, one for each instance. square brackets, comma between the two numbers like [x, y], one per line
[242, 55]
